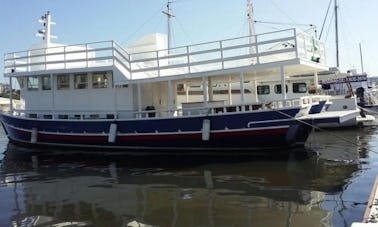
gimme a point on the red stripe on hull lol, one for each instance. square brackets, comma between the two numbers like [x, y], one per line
[278, 131]
[137, 137]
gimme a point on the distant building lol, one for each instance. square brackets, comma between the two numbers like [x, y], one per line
[373, 81]
[4, 88]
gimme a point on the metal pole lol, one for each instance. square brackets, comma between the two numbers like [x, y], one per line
[337, 35]
[362, 62]
[169, 15]
[251, 25]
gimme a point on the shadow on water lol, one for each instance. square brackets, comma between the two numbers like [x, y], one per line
[178, 190]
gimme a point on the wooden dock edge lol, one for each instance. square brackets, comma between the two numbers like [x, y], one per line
[371, 203]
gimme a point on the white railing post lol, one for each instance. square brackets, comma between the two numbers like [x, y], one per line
[86, 55]
[157, 63]
[188, 58]
[113, 53]
[221, 52]
[257, 50]
[65, 57]
[45, 50]
[28, 62]
[295, 43]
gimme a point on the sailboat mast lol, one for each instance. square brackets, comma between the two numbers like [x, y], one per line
[362, 62]
[337, 35]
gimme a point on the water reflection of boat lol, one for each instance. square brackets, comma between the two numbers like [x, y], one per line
[217, 191]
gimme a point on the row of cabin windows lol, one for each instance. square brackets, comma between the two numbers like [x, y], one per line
[297, 88]
[99, 80]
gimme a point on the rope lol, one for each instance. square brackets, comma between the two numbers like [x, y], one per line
[368, 110]
[323, 130]
[140, 27]
[325, 19]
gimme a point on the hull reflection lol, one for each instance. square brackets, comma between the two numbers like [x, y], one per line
[174, 191]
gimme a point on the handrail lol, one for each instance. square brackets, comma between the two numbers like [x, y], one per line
[188, 111]
[221, 54]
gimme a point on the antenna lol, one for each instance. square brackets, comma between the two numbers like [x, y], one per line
[45, 32]
[169, 16]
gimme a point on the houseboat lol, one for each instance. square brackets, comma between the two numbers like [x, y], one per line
[102, 95]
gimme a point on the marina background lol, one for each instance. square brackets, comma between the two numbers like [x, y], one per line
[326, 184]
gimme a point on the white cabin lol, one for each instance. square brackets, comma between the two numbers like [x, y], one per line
[105, 80]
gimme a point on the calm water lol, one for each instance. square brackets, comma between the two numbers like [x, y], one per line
[328, 189]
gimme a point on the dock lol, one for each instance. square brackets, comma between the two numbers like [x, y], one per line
[371, 213]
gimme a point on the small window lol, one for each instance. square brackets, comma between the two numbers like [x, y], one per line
[62, 116]
[180, 87]
[33, 116]
[299, 88]
[47, 116]
[33, 83]
[263, 90]
[81, 81]
[63, 82]
[46, 82]
[278, 90]
[100, 80]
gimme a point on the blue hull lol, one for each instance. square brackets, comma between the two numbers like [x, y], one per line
[244, 130]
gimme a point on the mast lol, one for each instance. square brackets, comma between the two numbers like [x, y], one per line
[337, 35]
[251, 26]
[169, 16]
[45, 33]
[362, 62]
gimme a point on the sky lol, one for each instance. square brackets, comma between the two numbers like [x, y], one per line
[195, 21]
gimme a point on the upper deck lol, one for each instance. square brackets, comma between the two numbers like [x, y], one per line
[297, 51]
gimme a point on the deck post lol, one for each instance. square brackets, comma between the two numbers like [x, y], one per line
[229, 90]
[242, 90]
[255, 91]
[52, 95]
[316, 80]
[283, 82]
[170, 98]
[10, 95]
[210, 89]
[139, 90]
[187, 92]
[205, 91]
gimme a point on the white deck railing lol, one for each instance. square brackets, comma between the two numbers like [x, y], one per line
[219, 55]
[306, 101]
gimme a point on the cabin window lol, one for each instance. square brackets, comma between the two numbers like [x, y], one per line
[299, 88]
[278, 90]
[46, 82]
[63, 82]
[33, 83]
[100, 80]
[33, 115]
[263, 90]
[81, 81]
[180, 87]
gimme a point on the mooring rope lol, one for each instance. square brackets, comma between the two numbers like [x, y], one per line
[324, 130]
[368, 110]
